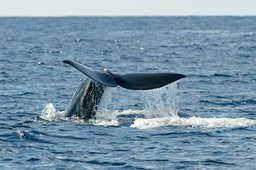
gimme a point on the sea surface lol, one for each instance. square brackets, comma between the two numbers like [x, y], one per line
[205, 121]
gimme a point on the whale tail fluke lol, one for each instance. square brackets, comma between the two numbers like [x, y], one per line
[139, 81]
[146, 81]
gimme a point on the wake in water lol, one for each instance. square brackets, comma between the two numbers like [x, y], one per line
[160, 109]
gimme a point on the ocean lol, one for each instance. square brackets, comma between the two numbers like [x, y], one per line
[204, 121]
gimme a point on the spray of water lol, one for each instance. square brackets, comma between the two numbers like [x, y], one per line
[160, 109]
[160, 103]
[105, 108]
[50, 113]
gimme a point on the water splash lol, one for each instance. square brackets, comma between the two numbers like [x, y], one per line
[51, 114]
[106, 115]
[105, 108]
[162, 102]
[160, 110]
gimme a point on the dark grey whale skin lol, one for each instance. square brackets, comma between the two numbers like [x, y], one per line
[85, 101]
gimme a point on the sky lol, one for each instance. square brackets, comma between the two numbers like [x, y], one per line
[126, 7]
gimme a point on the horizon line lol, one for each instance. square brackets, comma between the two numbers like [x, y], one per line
[59, 16]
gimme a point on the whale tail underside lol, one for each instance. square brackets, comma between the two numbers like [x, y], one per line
[139, 81]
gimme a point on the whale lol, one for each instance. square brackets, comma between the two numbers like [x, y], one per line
[87, 97]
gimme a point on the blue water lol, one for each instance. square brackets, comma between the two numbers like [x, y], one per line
[206, 121]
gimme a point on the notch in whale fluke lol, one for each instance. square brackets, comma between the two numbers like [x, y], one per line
[136, 81]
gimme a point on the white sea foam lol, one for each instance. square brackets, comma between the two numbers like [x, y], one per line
[193, 122]
[160, 109]
[128, 112]
[102, 122]
[50, 113]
